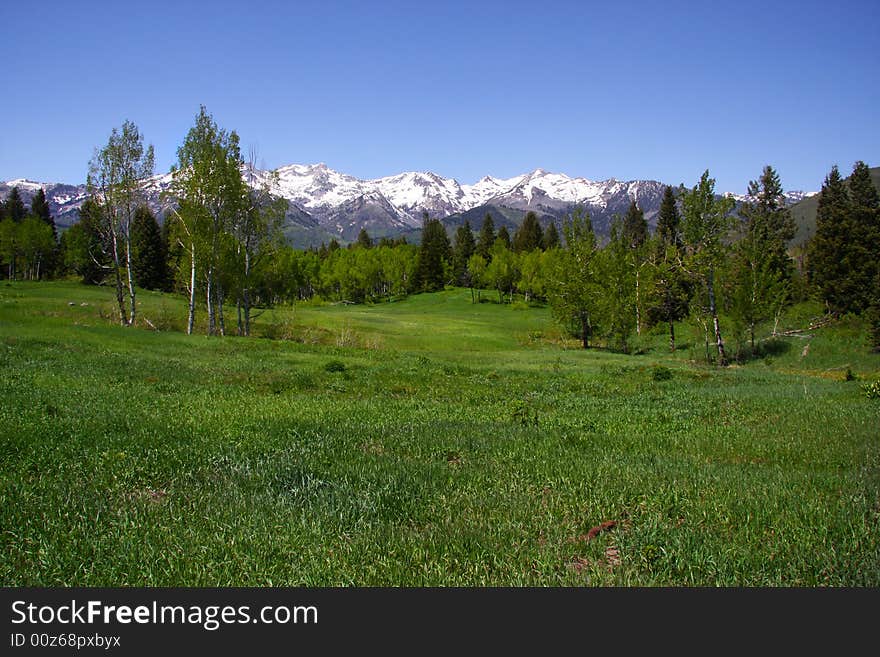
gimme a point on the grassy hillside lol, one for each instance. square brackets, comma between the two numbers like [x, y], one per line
[424, 442]
[804, 212]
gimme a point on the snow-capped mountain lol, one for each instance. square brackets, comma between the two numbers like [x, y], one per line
[325, 203]
[790, 197]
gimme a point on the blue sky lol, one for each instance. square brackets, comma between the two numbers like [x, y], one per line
[595, 89]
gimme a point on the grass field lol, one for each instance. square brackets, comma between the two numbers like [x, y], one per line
[428, 441]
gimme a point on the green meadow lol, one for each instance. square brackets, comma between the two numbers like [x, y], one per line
[424, 442]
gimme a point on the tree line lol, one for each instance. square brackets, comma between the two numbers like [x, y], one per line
[726, 267]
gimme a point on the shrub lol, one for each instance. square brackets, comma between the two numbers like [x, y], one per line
[660, 373]
[334, 366]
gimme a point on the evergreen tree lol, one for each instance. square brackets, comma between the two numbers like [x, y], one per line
[634, 231]
[866, 231]
[668, 220]
[770, 222]
[333, 245]
[529, 235]
[486, 239]
[503, 238]
[40, 209]
[833, 258]
[551, 237]
[434, 255]
[761, 269]
[463, 248]
[364, 240]
[149, 252]
[15, 209]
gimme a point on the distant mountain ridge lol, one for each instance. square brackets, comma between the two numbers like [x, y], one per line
[327, 204]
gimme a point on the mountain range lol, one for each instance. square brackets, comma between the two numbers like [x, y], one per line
[325, 204]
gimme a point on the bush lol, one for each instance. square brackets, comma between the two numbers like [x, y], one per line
[872, 390]
[660, 373]
[334, 366]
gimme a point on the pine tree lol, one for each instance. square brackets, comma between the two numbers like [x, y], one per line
[770, 221]
[434, 255]
[668, 220]
[832, 258]
[503, 238]
[15, 209]
[762, 271]
[463, 249]
[634, 231]
[551, 237]
[529, 235]
[364, 240]
[149, 252]
[486, 238]
[866, 231]
[670, 287]
[40, 208]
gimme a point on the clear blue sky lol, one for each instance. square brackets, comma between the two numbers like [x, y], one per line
[657, 90]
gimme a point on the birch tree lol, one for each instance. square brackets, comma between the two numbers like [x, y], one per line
[706, 220]
[572, 287]
[256, 228]
[207, 182]
[118, 175]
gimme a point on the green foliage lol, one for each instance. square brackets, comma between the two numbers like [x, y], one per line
[464, 247]
[572, 282]
[761, 271]
[14, 206]
[529, 236]
[668, 220]
[634, 231]
[872, 390]
[334, 366]
[435, 255]
[503, 238]
[84, 251]
[873, 317]
[551, 237]
[486, 238]
[502, 271]
[364, 240]
[149, 252]
[843, 254]
[661, 373]
[706, 221]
